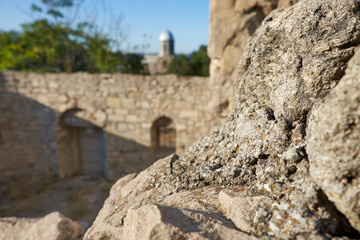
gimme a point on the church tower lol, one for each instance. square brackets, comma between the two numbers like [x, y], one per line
[155, 64]
[166, 44]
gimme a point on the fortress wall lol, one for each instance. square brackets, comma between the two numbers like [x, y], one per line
[32, 105]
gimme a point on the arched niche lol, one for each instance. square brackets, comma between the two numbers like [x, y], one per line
[81, 146]
[163, 136]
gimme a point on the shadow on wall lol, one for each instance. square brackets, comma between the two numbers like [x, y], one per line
[38, 143]
[85, 148]
[27, 147]
[163, 137]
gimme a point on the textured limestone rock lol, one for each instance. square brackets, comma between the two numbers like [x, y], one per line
[298, 55]
[53, 226]
[238, 206]
[231, 25]
[233, 22]
[334, 144]
[130, 191]
[164, 222]
[294, 59]
[128, 213]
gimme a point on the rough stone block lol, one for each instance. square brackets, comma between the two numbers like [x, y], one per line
[128, 103]
[122, 126]
[122, 111]
[132, 118]
[334, 143]
[53, 226]
[116, 118]
[113, 102]
[53, 85]
[188, 114]
[237, 205]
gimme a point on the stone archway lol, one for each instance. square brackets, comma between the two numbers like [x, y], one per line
[163, 137]
[81, 146]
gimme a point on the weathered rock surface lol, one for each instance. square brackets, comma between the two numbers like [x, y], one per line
[164, 222]
[298, 56]
[232, 22]
[334, 144]
[238, 206]
[293, 61]
[53, 226]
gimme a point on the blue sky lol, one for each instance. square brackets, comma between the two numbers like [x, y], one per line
[186, 19]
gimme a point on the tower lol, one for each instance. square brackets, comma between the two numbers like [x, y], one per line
[155, 64]
[166, 44]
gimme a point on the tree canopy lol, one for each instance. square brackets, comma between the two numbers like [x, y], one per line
[195, 65]
[51, 44]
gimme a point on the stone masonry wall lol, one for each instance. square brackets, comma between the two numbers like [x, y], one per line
[124, 106]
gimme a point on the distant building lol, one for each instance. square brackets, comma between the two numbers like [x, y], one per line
[166, 44]
[155, 64]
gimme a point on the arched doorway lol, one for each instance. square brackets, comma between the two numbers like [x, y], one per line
[81, 146]
[163, 137]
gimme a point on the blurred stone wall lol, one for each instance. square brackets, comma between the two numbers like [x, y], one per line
[33, 140]
[232, 22]
[125, 106]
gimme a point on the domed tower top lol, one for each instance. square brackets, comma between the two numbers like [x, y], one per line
[166, 36]
[166, 44]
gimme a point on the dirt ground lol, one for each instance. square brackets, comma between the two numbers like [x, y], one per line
[79, 198]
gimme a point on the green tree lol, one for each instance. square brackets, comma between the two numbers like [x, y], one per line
[99, 56]
[195, 65]
[131, 63]
[180, 65]
[49, 47]
[11, 52]
[200, 62]
[54, 46]
[54, 7]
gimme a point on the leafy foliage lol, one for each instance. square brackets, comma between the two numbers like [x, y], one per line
[131, 63]
[53, 7]
[195, 65]
[180, 65]
[199, 62]
[54, 46]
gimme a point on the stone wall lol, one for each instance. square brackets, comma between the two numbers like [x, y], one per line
[232, 22]
[34, 140]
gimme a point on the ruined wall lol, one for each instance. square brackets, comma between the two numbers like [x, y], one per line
[232, 22]
[34, 140]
